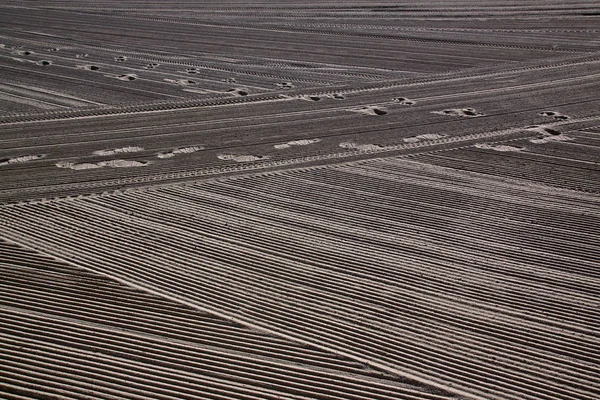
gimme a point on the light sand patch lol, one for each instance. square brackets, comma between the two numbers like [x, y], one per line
[200, 91]
[460, 112]
[123, 163]
[77, 167]
[181, 150]
[110, 152]
[500, 147]
[101, 164]
[551, 138]
[22, 60]
[425, 136]
[370, 110]
[20, 159]
[301, 142]
[361, 147]
[241, 158]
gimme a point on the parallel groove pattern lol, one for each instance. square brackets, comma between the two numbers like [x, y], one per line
[83, 333]
[540, 342]
[291, 201]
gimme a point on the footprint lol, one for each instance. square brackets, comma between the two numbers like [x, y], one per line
[89, 67]
[102, 164]
[460, 112]
[555, 115]
[361, 147]
[499, 147]
[44, 62]
[125, 77]
[83, 55]
[181, 150]
[337, 96]
[152, 66]
[285, 85]
[77, 167]
[547, 135]
[301, 142]
[23, 52]
[20, 159]
[110, 152]
[553, 138]
[238, 92]
[241, 158]
[404, 101]
[547, 113]
[123, 163]
[425, 136]
[310, 98]
[192, 70]
[228, 80]
[181, 82]
[121, 58]
[370, 110]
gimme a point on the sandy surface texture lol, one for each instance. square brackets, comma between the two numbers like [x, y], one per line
[300, 200]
